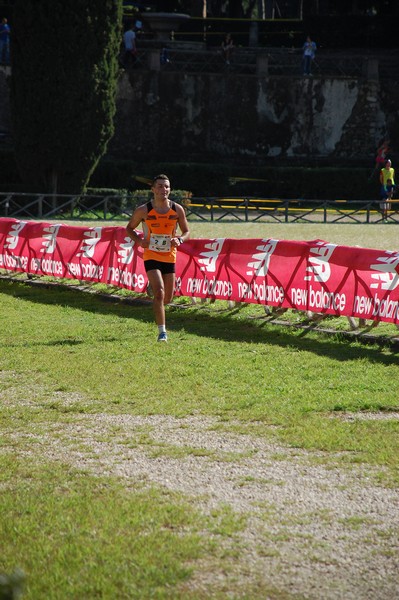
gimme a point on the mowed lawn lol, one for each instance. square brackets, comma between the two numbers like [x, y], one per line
[67, 354]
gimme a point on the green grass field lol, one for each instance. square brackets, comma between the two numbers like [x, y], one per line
[80, 528]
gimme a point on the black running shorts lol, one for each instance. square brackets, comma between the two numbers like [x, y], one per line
[157, 265]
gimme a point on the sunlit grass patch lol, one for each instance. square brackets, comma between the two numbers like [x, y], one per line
[107, 541]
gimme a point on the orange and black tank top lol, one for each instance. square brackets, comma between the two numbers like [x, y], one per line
[159, 228]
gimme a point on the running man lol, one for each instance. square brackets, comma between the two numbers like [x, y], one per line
[159, 219]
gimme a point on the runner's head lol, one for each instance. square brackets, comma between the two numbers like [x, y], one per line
[161, 186]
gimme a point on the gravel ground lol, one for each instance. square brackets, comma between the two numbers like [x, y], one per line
[314, 529]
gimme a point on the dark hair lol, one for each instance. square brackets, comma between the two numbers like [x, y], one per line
[161, 176]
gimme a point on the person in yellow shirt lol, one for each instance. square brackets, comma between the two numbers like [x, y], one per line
[159, 220]
[388, 172]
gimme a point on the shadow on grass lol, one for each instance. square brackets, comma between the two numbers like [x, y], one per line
[221, 325]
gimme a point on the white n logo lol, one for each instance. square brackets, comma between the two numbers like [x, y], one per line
[125, 252]
[388, 268]
[13, 235]
[320, 269]
[89, 244]
[50, 239]
[210, 257]
[261, 260]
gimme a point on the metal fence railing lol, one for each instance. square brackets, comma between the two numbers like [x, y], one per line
[112, 208]
[263, 61]
[299, 210]
[56, 206]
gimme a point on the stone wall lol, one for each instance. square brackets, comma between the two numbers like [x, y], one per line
[172, 116]
[168, 116]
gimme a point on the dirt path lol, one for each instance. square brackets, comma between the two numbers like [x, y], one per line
[314, 530]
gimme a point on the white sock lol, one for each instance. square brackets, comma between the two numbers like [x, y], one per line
[161, 328]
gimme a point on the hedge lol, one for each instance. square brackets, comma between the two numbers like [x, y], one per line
[201, 179]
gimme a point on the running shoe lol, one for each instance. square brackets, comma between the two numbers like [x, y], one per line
[163, 337]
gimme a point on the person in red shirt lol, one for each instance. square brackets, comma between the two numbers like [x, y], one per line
[382, 152]
[381, 157]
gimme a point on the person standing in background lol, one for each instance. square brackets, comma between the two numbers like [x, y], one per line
[387, 193]
[5, 32]
[227, 48]
[382, 152]
[309, 52]
[381, 157]
[388, 172]
[387, 181]
[129, 42]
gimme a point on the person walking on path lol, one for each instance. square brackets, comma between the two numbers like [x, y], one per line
[159, 219]
[309, 52]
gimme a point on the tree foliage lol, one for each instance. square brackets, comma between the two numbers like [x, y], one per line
[63, 88]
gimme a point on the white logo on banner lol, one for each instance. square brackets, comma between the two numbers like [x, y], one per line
[49, 239]
[88, 247]
[261, 259]
[320, 269]
[125, 252]
[388, 276]
[13, 235]
[210, 258]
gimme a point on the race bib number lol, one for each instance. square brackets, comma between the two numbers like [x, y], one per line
[160, 243]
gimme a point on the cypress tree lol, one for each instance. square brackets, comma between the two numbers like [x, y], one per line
[63, 89]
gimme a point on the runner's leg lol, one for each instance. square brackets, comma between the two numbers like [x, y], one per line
[169, 282]
[158, 288]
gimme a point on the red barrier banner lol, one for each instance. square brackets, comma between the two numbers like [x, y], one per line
[307, 275]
